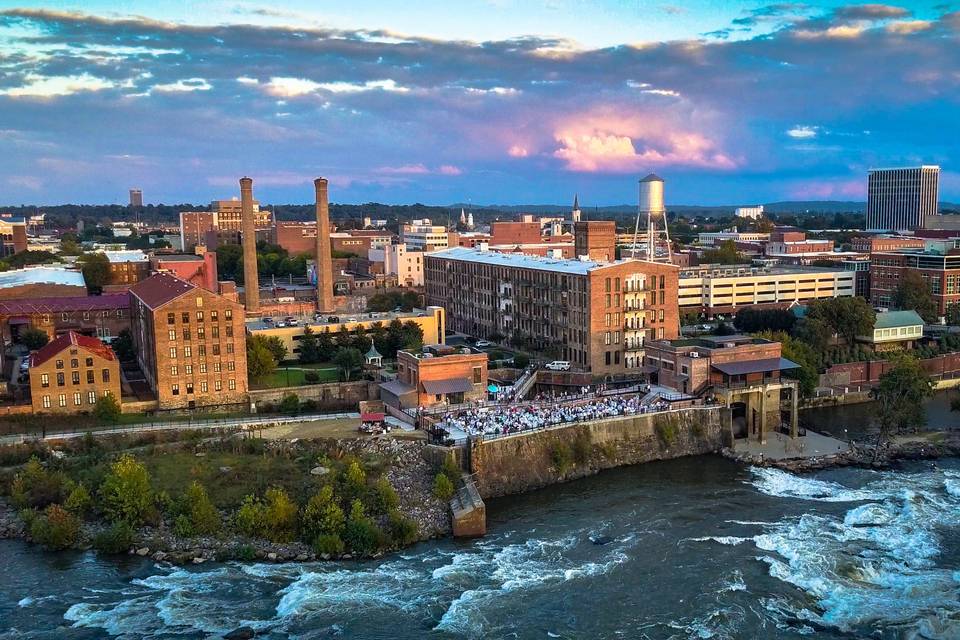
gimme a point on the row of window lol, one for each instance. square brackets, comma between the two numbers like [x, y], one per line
[217, 386]
[188, 368]
[185, 315]
[75, 362]
[47, 401]
[201, 350]
[74, 377]
[201, 332]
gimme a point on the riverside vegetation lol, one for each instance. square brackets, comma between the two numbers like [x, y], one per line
[224, 498]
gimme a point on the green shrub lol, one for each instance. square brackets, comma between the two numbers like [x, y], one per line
[311, 377]
[361, 535]
[403, 530]
[79, 501]
[383, 497]
[116, 539]
[126, 493]
[328, 544]
[36, 488]
[442, 487]
[290, 404]
[281, 516]
[107, 409]
[322, 516]
[582, 447]
[561, 455]
[521, 360]
[183, 527]
[251, 517]
[245, 552]
[56, 528]
[667, 432]
[203, 516]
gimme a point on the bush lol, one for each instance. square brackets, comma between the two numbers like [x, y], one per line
[355, 481]
[245, 552]
[582, 447]
[281, 516]
[402, 529]
[126, 493]
[442, 487]
[34, 338]
[521, 360]
[183, 527]
[107, 409]
[667, 432]
[383, 497]
[251, 517]
[311, 377]
[79, 501]
[328, 544]
[562, 456]
[203, 517]
[36, 488]
[361, 535]
[290, 404]
[117, 539]
[56, 529]
[322, 516]
[452, 470]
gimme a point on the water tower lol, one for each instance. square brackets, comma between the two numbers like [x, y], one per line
[651, 206]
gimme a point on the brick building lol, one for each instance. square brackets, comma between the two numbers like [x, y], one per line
[296, 237]
[502, 232]
[190, 343]
[224, 215]
[101, 316]
[596, 315]
[200, 270]
[70, 373]
[438, 374]
[596, 239]
[872, 244]
[941, 271]
[127, 267]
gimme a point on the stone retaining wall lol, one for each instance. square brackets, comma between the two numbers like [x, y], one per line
[527, 461]
[334, 395]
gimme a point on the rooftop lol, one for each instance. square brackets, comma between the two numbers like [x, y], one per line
[892, 319]
[41, 275]
[715, 342]
[522, 261]
[57, 305]
[71, 339]
[128, 255]
[160, 288]
[383, 316]
[180, 257]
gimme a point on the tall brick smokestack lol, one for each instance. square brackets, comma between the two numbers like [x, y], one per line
[251, 282]
[324, 259]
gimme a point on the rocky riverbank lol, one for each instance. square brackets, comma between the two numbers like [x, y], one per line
[407, 471]
[861, 454]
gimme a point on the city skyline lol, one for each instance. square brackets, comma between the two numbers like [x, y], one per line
[493, 103]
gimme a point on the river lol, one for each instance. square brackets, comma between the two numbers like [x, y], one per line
[700, 548]
[856, 418]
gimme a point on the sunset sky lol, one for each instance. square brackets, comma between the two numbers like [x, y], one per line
[489, 102]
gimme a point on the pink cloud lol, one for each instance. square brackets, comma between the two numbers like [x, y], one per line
[449, 170]
[405, 170]
[852, 188]
[612, 143]
[518, 151]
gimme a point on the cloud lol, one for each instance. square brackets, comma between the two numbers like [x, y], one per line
[30, 183]
[517, 151]
[802, 132]
[870, 12]
[36, 86]
[180, 86]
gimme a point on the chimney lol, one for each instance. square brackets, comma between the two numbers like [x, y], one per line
[324, 259]
[251, 282]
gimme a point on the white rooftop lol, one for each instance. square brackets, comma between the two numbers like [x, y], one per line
[523, 261]
[127, 255]
[41, 275]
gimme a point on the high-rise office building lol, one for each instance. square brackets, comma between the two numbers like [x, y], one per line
[136, 198]
[902, 199]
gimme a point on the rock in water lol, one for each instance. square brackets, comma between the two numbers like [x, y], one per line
[240, 633]
[601, 539]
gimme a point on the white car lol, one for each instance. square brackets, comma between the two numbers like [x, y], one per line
[483, 344]
[558, 365]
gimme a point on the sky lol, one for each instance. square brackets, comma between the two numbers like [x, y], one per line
[476, 101]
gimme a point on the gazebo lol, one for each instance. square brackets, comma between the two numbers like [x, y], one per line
[373, 357]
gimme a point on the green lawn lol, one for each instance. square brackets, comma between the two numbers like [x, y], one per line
[292, 378]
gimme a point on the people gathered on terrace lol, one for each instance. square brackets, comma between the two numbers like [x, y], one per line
[504, 420]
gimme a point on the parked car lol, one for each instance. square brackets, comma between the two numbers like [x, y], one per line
[482, 344]
[558, 365]
[281, 324]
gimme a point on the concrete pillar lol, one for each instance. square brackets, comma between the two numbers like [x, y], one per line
[763, 416]
[251, 282]
[794, 410]
[324, 259]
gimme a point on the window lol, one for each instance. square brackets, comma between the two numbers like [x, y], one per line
[171, 318]
[186, 334]
[231, 384]
[217, 385]
[231, 366]
[199, 304]
[216, 367]
[90, 376]
[188, 369]
[92, 397]
[606, 339]
[606, 319]
[607, 358]
[173, 352]
[201, 333]
[213, 315]
[106, 375]
[606, 285]
[229, 347]
[189, 387]
[75, 377]
[172, 334]
[60, 380]
[229, 330]
[203, 367]
[215, 331]
[228, 314]
[77, 399]
[203, 386]
[45, 380]
[46, 402]
[59, 364]
[216, 349]
[477, 375]
[89, 362]
[175, 389]
[62, 400]
[187, 351]
[174, 370]
[74, 363]
[185, 317]
[200, 315]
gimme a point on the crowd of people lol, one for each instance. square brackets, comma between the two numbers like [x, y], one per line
[480, 421]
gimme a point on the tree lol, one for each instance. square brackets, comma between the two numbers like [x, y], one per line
[913, 294]
[204, 517]
[360, 532]
[251, 517]
[126, 493]
[281, 515]
[725, 253]
[953, 314]
[124, 347]
[900, 394]
[751, 320]
[96, 270]
[277, 349]
[260, 360]
[322, 516]
[34, 338]
[383, 497]
[846, 317]
[347, 360]
[309, 349]
[56, 528]
[230, 262]
[290, 404]
[107, 409]
[807, 375]
[442, 487]
[815, 332]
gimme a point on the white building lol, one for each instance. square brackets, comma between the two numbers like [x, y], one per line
[422, 235]
[398, 259]
[711, 238]
[753, 213]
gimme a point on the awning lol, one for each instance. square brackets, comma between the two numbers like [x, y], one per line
[492, 388]
[397, 388]
[755, 366]
[372, 417]
[449, 385]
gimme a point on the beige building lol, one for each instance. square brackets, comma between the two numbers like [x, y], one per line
[423, 235]
[407, 265]
[713, 289]
[69, 374]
